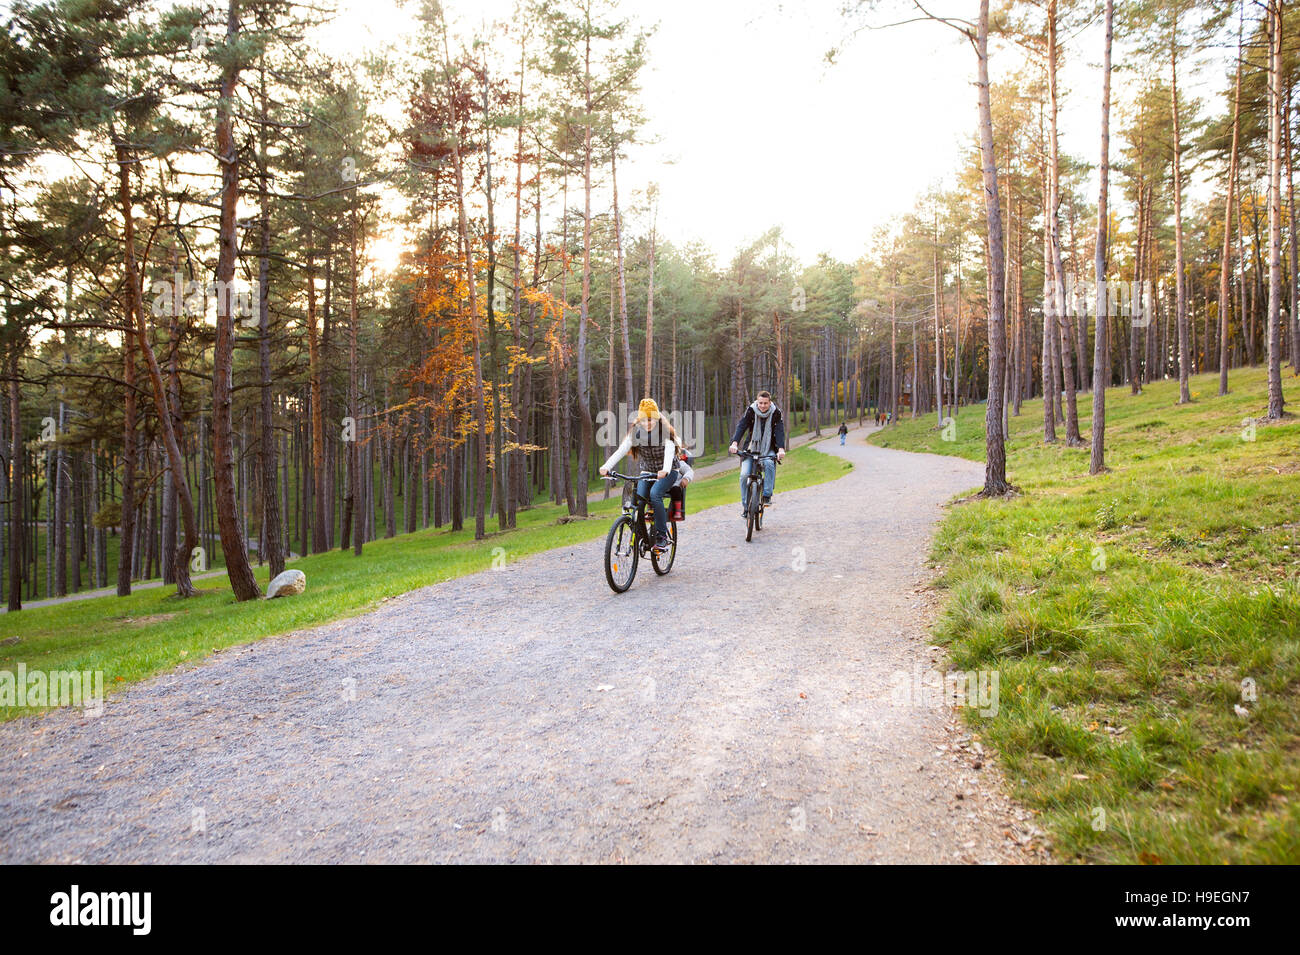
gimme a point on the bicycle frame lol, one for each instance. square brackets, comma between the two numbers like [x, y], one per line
[755, 472]
[754, 491]
[636, 507]
[621, 548]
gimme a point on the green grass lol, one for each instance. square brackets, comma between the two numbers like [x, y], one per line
[1125, 613]
[132, 638]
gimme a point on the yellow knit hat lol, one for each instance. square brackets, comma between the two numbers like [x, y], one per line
[648, 409]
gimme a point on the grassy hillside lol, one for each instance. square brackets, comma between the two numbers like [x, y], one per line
[135, 637]
[1129, 616]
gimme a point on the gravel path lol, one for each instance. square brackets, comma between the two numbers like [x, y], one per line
[738, 710]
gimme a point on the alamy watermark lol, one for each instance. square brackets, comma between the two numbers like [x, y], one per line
[40, 688]
[977, 689]
[179, 296]
[609, 425]
[129, 909]
[1132, 300]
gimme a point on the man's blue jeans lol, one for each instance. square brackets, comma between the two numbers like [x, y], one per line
[656, 494]
[842, 437]
[769, 477]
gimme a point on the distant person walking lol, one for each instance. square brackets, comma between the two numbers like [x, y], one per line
[844, 431]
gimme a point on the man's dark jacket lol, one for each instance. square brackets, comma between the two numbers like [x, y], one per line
[774, 421]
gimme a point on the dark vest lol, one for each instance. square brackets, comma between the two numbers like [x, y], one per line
[649, 446]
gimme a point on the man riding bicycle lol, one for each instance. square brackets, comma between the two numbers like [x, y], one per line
[766, 428]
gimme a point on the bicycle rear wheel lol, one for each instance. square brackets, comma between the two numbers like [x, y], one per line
[621, 555]
[662, 561]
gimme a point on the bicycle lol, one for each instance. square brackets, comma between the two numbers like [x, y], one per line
[629, 536]
[754, 505]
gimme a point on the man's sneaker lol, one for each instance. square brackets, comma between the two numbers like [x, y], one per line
[767, 500]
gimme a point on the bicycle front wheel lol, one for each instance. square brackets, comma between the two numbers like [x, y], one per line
[621, 555]
[755, 501]
[662, 561]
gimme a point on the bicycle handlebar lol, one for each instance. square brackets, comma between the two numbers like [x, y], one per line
[615, 476]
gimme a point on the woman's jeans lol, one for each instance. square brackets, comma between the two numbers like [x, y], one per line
[656, 494]
[769, 477]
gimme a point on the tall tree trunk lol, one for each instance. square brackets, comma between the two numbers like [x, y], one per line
[611, 400]
[1139, 307]
[499, 469]
[166, 416]
[480, 405]
[320, 496]
[60, 493]
[1050, 389]
[1063, 307]
[650, 323]
[938, 367]
[1257, 300]
[995, 466]
[1101, 342]
[1180, 280]
[1225, 258]
[1023, 386]
[563, 410]
[893, 349]
[233, 545]
[171, 503]
[914, 397]
[356, 500]
[272, 525]
[79, 516]
[1295, 254]
[628, 385]
[738, 360]
[1243, 286]
[957, 340]
[126, 558]
[1015, 316]
[1275, 402]
[17, 544]
[857, 376]
[521, 382]
[388, 461]
[584, 374]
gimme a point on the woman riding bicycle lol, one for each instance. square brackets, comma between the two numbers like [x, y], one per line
[654, 444]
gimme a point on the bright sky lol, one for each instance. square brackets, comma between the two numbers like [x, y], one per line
[753, 129]
[761, 131]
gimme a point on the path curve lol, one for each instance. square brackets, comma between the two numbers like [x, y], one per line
[738, 710]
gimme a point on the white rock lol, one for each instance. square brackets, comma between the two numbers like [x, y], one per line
[288, 584]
